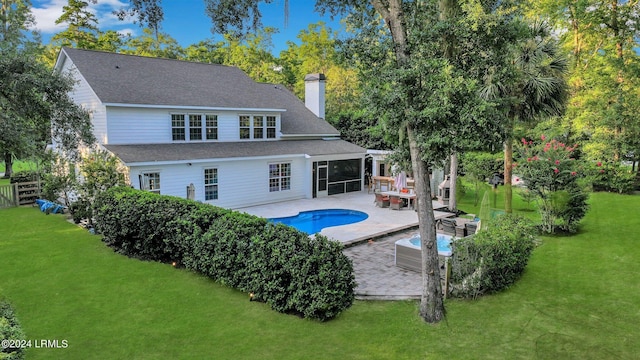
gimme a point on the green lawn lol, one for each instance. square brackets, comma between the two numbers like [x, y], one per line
[578, 299]
[19, 165]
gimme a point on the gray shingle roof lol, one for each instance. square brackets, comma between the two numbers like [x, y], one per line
[129, 79]
[144, 153]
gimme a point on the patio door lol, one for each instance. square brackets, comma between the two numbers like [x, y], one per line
[322, 179]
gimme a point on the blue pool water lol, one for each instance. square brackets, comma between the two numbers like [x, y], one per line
[444, 243]
[314, 221]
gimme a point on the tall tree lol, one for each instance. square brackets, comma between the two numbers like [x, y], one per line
[82, 26]
[15, 21]
[35, 108]
[533, 86]
[146, 44]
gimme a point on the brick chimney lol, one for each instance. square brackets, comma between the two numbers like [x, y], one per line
[314, 89]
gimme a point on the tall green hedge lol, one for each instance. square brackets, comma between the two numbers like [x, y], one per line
[10, 329]
[281, 266]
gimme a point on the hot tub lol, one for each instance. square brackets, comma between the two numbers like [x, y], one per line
[409, 254]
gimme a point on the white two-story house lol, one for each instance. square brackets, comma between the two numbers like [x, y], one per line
[180, 125]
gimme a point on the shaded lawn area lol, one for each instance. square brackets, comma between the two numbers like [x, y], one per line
[19, 165]
[577, 300]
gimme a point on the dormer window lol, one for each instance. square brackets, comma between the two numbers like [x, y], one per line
[271, 127]
[195, 127]
[245, 127]
[177, 127]
[191, 127]
[257, 127]
[212, 127]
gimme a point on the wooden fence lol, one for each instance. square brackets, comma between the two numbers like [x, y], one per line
[19, 194]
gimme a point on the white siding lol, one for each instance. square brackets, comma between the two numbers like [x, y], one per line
[153, 126]
[83, 94]
[240, 183]
[138, 126]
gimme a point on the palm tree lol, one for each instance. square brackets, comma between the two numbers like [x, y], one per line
[533, 87]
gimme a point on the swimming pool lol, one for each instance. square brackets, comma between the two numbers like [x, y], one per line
[314, 221]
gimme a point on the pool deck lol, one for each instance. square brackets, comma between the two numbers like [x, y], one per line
[370, 243]
[381, 221]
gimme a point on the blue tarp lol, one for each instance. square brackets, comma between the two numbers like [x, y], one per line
[49, 207]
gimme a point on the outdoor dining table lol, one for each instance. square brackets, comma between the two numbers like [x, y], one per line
[403, 195]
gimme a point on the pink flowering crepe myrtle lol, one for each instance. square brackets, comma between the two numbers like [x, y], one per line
[549, 163]
[553, 152]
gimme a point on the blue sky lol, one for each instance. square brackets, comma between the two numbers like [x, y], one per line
[185, 20]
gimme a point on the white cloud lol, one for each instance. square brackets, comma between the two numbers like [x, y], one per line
[127, 32]
[47, 12]
[46, 15]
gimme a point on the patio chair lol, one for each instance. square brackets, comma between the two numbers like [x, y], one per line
[382, 200]
[448, 226]
[395, 202]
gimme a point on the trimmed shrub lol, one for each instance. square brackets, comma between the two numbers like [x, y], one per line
[279, 265]
[10, 329]
[494, 258]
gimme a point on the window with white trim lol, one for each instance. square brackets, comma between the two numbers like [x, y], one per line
[195, 127]
[211, 123]
[211, 184]
[245, 127]
[279, 177]
[257, 127]
[271, 127]
[177, 127]
[150, 182]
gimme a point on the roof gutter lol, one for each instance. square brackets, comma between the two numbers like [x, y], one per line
[310, 136]
[208, 108]
[201, 161]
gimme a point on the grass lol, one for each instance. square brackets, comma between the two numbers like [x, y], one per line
[496, 200]
[578, 299]
[19, 165]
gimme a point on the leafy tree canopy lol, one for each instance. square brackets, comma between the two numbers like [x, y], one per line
[35, 108]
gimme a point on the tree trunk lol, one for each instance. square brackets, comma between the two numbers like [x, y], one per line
[394, 19]
[453, 179]
[508, 170]
[8, 164]
[432, 303]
